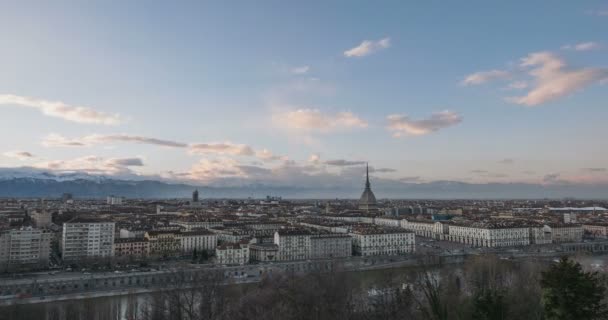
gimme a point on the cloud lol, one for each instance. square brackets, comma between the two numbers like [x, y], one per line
[62, 110]
[300, 70]
[583, 46]
[56, 140]
[409, 179]
[315, 120]
[478, 171]
[401, 125]
[482, 77]
[225, 148]
[368, 47]
[552, 178]
[21, 155]
[343, 163]
[600, 13]
[314, 158]
[93, 165]
[554, 80]
[594, 169]
[381, 170]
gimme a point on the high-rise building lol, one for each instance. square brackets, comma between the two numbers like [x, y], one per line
[367, 201]
[25, 246]
[195, 196]
[87, 237]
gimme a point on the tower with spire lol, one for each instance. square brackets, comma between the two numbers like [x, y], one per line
[367, 201]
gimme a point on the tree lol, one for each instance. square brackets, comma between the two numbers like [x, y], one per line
[571, 293]
[489, 304]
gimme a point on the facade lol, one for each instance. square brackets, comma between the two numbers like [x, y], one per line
[84, 237]
[367, 202]
[561, 233]
[42, 219]
[164, 242]
[25, 246]
[293, 244]
[199, 240]
[490, 234]
[373, 241]
[133, 247]
[596, 230]
[323, 246]
[263, 252]
[232, 254]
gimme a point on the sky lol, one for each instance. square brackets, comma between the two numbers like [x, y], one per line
[307, 92]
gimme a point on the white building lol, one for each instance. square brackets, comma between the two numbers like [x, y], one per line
[25, 246]
[114, 200]
[490, 234]
[42, 219]
[561, 233]
[263, 252]
[199, 240]
[373, 241]
[85, 237]
[232, 254]
[294, 244]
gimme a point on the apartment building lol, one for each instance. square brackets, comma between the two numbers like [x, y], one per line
[199, 240]
[490, 234]
[24, 247]
[374, 240]
[135, 247]
[87, 237]
[330, 245]
[294, 244]
[232, 254]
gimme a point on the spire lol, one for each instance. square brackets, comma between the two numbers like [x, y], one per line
[367, 185]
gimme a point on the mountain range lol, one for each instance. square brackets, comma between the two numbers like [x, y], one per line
[23, 183]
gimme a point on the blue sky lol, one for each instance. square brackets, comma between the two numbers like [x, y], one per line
[282, 90]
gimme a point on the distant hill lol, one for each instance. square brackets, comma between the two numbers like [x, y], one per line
[44, 184]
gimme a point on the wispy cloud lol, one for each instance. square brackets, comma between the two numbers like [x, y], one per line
[553, 80]
[482, 77]
[343, 163]
[402, 125]
[21, 155]
[507, 161]
[62, 110]
[223, 148]
[57, 140]
[583, 46]
[592, 170]
[93, 165]
[368, 47]
[313, 120]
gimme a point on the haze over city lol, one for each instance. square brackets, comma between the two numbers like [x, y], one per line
[304, 94]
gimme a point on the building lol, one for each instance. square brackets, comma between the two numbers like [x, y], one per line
[561, 233]
[367, 201]
[114, 200]
[263, 252]
[131, 247]
[199, 240]
[42, 219]
[490, 234]
[24, 247]
[293, 244]
[232, 254]
[87, 237]
[330, 245]
[596, 230]
[195, 196]
[164, 242]
[374, 240]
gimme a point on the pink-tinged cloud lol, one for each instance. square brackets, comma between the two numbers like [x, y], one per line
[62, 110]
[402, 125]
[484, 76]
[554, 80]
[313, 120]
[368, 47]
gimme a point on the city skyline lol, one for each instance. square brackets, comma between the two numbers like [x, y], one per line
[294, 94]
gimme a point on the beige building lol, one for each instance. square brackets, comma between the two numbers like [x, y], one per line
[596, 230]
[164, 242]
[134, 247]
[232, 254]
